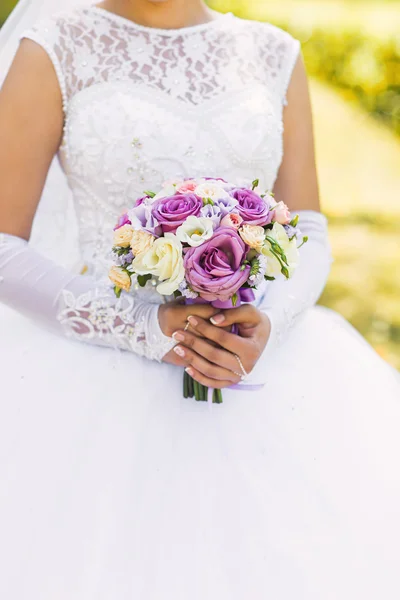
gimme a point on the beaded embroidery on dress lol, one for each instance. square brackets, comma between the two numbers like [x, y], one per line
[142, 106]
[114, 486]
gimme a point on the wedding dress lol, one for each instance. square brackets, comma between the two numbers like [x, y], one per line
[113, 486]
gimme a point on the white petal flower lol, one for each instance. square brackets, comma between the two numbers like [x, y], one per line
[195, 230]
[211, 190]
[168, 190]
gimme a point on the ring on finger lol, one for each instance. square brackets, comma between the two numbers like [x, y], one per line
[187, 326]
[243, 375]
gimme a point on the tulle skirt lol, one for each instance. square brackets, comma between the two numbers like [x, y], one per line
[114, 487]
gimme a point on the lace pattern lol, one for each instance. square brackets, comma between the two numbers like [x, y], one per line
[143, 106]
[92, 45]
[96, 316]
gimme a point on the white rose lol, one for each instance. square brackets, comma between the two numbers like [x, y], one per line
[195, 231]
[123, 236]
[253, 236]
[141, 241]
[278, 233]
[163, 260]
[211, 190]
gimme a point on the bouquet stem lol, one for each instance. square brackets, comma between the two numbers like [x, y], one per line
[194, 389]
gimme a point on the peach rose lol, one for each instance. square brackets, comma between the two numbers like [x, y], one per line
[123, 236]
[232, 220]
[281, 214]
[253, 236]
[120, 278]
[141, 241]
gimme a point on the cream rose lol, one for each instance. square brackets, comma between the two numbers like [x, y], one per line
[141, 241]
[163, 260]
[253, 236]
[120, 278]
[123, 236]
[211, 190]
[290, 249]
[195, 230]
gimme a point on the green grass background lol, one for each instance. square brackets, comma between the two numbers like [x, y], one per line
[352, 53]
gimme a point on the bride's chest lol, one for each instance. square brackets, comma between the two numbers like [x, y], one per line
[121, 137]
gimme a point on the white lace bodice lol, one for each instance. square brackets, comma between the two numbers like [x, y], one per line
[144, 105]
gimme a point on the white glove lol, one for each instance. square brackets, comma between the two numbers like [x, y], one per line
[76, 305]
[285, 300]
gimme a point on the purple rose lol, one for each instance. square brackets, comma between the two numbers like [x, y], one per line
[252, 208]
[171, 212]
[214, 268]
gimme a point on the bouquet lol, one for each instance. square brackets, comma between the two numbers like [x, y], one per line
[206, 240]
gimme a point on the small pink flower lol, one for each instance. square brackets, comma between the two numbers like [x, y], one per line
[232, 220]
[187, 186]
[281, 214]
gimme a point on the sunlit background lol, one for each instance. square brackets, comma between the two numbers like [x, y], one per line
[352, 52]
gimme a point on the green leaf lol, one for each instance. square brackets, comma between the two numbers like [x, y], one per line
[117, 291]
[143, 279]
[235, 299]
[268, 278]
[255, 184]
[177, 294]
[295, 221]
[150, 194]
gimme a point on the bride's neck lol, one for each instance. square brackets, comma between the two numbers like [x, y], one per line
[161, 14]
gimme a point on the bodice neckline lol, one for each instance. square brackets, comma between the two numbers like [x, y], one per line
[221, 18]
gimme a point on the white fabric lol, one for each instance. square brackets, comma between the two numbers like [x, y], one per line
[77, 306]
[285, 300]
[112, 484]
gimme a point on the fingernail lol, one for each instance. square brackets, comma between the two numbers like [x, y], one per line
[189, 371]
[193, 321]
[217, 320]
[179, 351]
[179, 337]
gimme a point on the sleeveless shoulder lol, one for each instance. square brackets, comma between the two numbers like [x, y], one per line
[278, 51]
[61, 35]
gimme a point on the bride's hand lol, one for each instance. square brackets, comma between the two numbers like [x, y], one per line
[213, 361]
[173, 316]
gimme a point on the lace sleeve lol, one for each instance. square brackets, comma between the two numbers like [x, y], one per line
[76, 305]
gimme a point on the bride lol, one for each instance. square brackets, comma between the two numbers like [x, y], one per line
[113, 486]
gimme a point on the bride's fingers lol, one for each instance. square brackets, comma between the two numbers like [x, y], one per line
[211, 371]
[231, 342]
[206, 381]
[207, 350]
